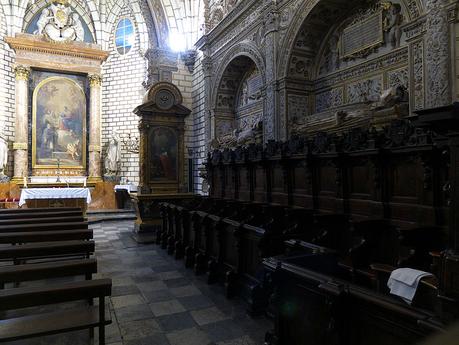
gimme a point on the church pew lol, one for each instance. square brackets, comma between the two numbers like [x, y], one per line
[38, 215]
[47, 250]
[40, 271]
[44, 236]
[39, 210]
[66, 219]
[70, 319]
[325, 309]
[44, 227]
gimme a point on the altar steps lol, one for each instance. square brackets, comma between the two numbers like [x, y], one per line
[98, 216]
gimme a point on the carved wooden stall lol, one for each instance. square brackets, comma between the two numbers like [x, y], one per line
[395, 185]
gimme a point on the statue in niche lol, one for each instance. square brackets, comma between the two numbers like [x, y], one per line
[393, 24]
[245, 94]
[393, 101]
[59, 23]
[113, 155]
[3, 158]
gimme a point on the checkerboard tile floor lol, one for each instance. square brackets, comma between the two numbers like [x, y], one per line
[156, 301]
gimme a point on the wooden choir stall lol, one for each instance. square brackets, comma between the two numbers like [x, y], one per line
[311, 230]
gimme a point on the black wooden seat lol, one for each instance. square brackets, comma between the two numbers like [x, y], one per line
[45, 236]
[44, 227]
[39, 210]
[43, 214]
[47, 250]
[55, 322]
[49, 220]
[30, 272]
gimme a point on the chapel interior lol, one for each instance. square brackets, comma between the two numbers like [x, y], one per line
[229, 172]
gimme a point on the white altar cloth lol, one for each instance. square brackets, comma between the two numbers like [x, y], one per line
[55, 193]
[131, 188]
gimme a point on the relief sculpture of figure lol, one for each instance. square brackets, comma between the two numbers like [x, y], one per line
[78, 27]
[45, 17]
[113, 155]
[394, 21]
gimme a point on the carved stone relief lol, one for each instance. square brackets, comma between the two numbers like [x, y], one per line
[398, 77]
[329, 99]
[298, 106]
[418, 74]
[437, 54]
[364, 90]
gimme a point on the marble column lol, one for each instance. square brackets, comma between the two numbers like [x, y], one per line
[95, 169]
[20, 145]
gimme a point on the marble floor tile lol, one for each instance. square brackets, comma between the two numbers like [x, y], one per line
[166, 307]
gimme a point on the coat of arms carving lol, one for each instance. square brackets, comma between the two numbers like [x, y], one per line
[59, 23]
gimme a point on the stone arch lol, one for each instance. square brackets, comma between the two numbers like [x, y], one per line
[415, 8]
[242, 49]
[237, 90]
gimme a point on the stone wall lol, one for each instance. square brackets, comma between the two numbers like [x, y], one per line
[122, 92]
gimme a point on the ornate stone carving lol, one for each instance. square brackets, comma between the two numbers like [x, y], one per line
[329, 99]
[437, 54]
[189, 58]
[364, 90]
[159, 61]
[22, 72]
[418, 74]
[398, 77]
[95, 80]
[59, 23]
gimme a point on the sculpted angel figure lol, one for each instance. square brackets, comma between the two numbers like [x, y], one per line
[78, 27]
[394, 22]
[44, 19]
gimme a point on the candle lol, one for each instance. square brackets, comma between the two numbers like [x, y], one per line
[85, 182]
[25, 182]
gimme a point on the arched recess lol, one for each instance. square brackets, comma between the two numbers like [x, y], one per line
[317, 29]
[89, 16]
[237, 101]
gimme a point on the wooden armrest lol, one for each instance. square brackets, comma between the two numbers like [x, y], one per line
[383, 268]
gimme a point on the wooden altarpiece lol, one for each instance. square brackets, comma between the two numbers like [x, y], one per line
[162, 132]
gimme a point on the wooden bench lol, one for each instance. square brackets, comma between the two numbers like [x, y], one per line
[34, 221]
[45, 236]
[50, 323]
[48, 214]
[30, 272]
[39, 210]
[47, 250]
[44, 227]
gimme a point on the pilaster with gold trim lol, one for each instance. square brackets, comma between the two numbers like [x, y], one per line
[95, 169]
[20, 145]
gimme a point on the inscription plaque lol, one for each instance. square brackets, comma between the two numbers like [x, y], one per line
[360, 37]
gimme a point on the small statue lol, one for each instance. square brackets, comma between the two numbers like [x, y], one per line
[250, 135]
[3, 157]
[394, 21]
[391, 97]
[113, 155]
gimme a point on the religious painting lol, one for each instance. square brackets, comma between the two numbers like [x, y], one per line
[163, 154]
[59, 124]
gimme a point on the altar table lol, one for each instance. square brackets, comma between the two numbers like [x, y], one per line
[55, 197]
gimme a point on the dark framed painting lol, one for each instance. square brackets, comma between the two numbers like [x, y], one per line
[163, 154]
[59, 124]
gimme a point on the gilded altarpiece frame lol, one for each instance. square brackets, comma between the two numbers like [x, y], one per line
[59, 120]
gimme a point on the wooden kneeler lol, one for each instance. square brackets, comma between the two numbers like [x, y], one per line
[44, 324]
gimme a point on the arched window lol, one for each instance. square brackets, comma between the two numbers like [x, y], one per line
[124, 36]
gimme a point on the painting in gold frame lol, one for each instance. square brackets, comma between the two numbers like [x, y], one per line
[59, 124]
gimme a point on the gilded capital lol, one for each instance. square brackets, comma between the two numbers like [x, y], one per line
[22, 72]
[95, 80]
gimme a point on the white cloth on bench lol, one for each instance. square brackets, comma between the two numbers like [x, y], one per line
[403, 282]
[54, 193]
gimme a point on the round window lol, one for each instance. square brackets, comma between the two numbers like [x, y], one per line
[124, 36]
